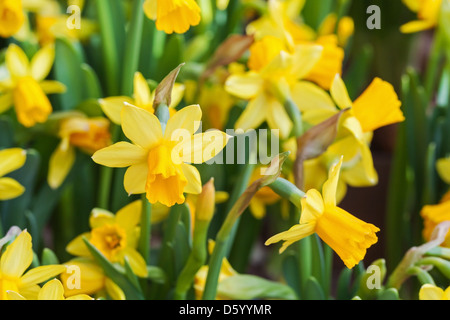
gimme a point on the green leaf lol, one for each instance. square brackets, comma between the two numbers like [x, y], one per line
[156, 274]
[389, 294]
[91, 84]
[313, 290]
[49, 257]
[290, 272]
[6, 132]
[344, 291]
[129, 289]
[248, 287]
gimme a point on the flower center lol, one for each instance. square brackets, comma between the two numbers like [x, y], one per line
[109, 239]
[165, 180]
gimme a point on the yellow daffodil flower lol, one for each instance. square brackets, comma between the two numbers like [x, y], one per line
[159, 164]
[432, 292]
[115, 236]
[427, 14]
[11, 17]
[26, 88]
[52, 290]
[11, 160]
[15, 260]
[173, 15]
[281, 22]
[77, 131]
[344, 28]
[270, 67]
[433, 215]
[92, 281]
[143, 98]
[347, 235]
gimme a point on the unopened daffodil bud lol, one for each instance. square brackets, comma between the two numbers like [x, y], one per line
[206, 202]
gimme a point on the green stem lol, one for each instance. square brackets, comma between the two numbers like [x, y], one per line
[109, 45]
[133, 47]
[433, 67]
[145, 236]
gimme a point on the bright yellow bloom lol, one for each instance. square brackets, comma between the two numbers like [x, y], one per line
[173, 15]
[432, 216]
[427, 14]
[52, 290]
[92, 281]
[115, 236]
[15, 261]
[160, 162]
[347, 235]
[143, 98]
[11, 17]
[11, 160]
[261, 85]
[26, 88]
[431, 292]
[344, 28]
[443, 169]
[76, 131]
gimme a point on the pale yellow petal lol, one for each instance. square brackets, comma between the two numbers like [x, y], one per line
[150, 7]
[339, 93]
[40, 274]
[294, 234]
[142, 94]
[120, 155]
[6, 101]
[430, 292]
[135, 178]
[17, 62]
[177, 94]
[10, 189]
[17, 257]
[12, 295]
[183, 123]
[99, 217]
[312, 207]
[278, 118]
[129, 216]
[305, 58]
[112, 107]
[114, 291]
[443, 169]
[11, 160]
[61, 162]
[140, 126]
[52, 290]
[202, 147]
[80, 297]
[194, 181]
[137, 262]
[42, 62]
[308, 96]
[245, 86]
[52, 87]
[254, 114]
[417, 26]
[77, 246]
[330, 186]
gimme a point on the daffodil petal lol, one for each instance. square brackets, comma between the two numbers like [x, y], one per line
[129, 216]
[194, 185]
[142, 94]
[150, 9]
[308, 96]
[443, 169]
[52, 290]
[330, 186]
[12, 295]
[100, 217]
[140, 126]
[114, 291]
[42, 62]
[312, 206]
[136, 262]
[430, 292]
[305, 58]
[77, 246]
[61, 162]
[80, 297]
[6, 102]
[339, 93]
[10, 189]
[112, 107]
[11, 160]
[120, 155]
[17, 61]
[416, 26]
[202, 147]
[245, 86]
[254, 114]
[40, 274]
[52, 87]
[183, 122]
[17, 257]
[177, 94]
[277, 118]
[135, 178]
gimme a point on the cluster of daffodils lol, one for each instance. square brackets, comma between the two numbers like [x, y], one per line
[120, 126]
